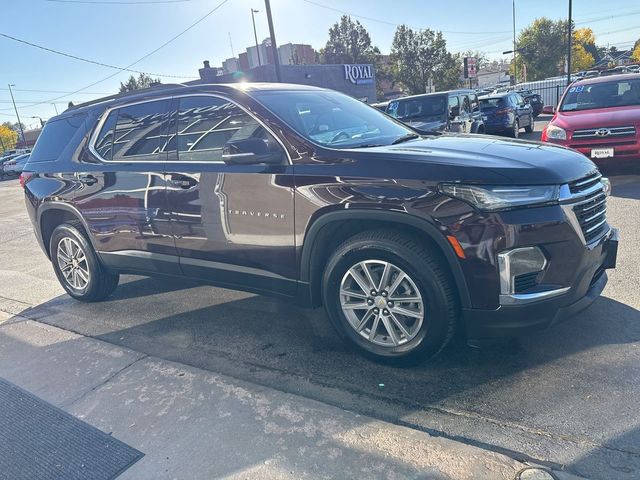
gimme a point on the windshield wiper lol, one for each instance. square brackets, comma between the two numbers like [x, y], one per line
[404, 138]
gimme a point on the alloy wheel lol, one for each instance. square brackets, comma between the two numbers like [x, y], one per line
[381, 303]
[72, 262]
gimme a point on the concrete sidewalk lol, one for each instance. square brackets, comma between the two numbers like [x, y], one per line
[195, 424]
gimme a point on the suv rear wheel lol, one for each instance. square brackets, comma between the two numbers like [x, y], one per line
[77, 266]
[390, 296]
[515, 130]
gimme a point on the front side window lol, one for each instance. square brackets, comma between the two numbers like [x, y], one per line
[466, 106]
[620, 93]
[475, 106]
[332, 119]
[206, 124]
[140, 132]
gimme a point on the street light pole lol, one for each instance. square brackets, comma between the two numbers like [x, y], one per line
[55, 107]
[569, 44]
[274, 46]
[255, 34]
[515, 58]
[24, 140]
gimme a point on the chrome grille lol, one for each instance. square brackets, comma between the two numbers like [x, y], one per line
[605, 132]
[591, 206]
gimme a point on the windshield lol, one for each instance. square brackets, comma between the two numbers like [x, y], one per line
[602, 95]
[332, 119]
[419, 108]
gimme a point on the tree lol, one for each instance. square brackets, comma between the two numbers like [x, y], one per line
[635, 55]
[420, 56]
[583, 49]
[349, 42]
[142, 81]
[8, 137]
[542, 48]
[447, 74]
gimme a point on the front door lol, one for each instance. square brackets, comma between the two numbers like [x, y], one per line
[232, 216]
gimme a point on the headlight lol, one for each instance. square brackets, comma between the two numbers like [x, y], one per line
[500, 198]
[555, 132]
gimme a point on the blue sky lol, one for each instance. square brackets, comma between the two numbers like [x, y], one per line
[119, 34]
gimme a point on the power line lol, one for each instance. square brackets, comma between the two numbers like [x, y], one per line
[53, 91]
[94, 62]
[311, 2]
[175, 37]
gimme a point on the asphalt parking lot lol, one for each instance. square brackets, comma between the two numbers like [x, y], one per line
[566, 397]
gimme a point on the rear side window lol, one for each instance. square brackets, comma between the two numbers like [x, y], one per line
[137, 132]
[475, 107]
[56, 136]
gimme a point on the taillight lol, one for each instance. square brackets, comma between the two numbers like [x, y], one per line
[501, 111]
[24, 178]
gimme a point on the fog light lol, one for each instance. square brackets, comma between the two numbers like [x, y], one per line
[606, 185]
[517, 262]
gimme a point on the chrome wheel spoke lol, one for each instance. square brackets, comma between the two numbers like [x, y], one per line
[407, 312]
[374, 328]
[390, 330]
[367, 274]
[365, 319]
[400, 325]
[356, 306]
[362, 283]
[407, 299]
[384, 278]
[396, 283]
[351, 293]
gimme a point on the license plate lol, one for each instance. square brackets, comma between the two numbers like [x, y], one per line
[601, 152]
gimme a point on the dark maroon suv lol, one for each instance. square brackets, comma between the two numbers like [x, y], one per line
[311, 195]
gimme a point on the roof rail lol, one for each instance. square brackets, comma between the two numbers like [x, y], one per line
[130, 93]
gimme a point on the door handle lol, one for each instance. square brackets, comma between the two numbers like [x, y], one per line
[87, 179]
[182, 181]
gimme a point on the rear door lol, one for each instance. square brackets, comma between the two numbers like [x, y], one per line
[232, 215]
[122, 191]
[523, 110]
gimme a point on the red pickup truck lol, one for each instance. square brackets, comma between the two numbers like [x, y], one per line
[600, 117]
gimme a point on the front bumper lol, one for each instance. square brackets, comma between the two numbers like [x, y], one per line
[535, 314]
[623, 148]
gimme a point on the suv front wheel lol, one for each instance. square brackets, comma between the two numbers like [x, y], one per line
[390, 296]
[77, 266]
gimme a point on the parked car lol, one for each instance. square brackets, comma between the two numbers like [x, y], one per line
[533, 99]
[506, 113]
[313, 196]
[15, 165]
[599, 117]
[452, 111]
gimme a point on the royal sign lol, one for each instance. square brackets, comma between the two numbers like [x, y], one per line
[359, 74]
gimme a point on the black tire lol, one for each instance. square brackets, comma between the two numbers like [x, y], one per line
[100, 283]
[529, 128]
[515, 130]
[429, 274]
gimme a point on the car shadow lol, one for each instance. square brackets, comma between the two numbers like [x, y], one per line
[279, 345]
[627, 186]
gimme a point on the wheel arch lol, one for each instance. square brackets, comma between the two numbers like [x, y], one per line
[332, 228]
[52, 214]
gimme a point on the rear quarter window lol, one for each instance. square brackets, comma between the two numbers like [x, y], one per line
[56, 136]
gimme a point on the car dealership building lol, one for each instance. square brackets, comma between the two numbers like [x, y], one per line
[357, 80]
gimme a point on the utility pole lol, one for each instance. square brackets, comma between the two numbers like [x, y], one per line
[55, 107]
[231, 45]
[515, 58]
[24, 139]
[569, 44]
[274, 46]
[255, 34]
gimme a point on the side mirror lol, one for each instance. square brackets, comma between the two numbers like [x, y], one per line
[549, 109]
[250, 151]
[454, 112]
[527, 101]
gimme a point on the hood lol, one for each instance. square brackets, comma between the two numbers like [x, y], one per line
[597, 118]
[479, 159]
